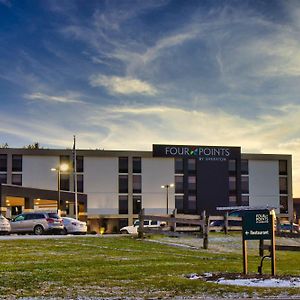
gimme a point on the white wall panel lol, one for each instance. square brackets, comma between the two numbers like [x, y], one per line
[263, 183]
[37, 172]
[101, 184]
[155, 173]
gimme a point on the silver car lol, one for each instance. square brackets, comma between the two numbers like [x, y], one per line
[37, 223]
[4, 225]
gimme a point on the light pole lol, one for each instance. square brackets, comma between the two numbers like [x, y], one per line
[61, 168]
[167, 186]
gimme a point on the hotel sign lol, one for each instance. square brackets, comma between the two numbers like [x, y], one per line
[257, 225]
[203, 153]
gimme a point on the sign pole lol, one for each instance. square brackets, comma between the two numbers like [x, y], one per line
[245, 258]
[273, 261]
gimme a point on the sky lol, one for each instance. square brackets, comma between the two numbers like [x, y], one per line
[129, 74]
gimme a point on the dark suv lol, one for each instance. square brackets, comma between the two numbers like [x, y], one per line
[37, 223]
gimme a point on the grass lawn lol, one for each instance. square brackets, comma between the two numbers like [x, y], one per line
[125, 267]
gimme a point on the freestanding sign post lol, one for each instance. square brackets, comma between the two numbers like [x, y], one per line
[258, 225]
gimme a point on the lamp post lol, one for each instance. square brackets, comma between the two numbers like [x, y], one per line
[61, 168]
[167, 186]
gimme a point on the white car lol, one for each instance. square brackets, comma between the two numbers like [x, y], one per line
[133, 229]
[74, 226]
[4, 225]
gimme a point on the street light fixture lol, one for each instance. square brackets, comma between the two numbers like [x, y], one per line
[61, 168]
[167, 186]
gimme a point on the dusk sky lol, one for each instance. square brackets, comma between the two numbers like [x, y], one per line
[127, 74]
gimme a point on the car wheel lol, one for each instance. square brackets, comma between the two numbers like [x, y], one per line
[38, 230]
[65, 231]
[124, 232]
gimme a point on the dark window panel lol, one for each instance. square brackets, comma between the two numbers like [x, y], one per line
[64, 182]
[283, 185]
[137, 204]
[192, 203]
[136, 183]
[192, 164]
[283, 204]
[123, 204]
[16, 179]
[178, 165]
[245, 184]
[65, 159]
[244, 166]
[192, 183]
[136, 165]
[17, 163]
[232, 183]
[179, 204]
[3, 162]
[232, 166]
[282, 167]
[3, 178]
[178, 184]
[245, 200]
[123, 164]
[232, 201]
[123, 184]
[79, 164]
[80, 183]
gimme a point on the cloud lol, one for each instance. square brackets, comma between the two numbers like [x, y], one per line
[54, 99]
[123, 85]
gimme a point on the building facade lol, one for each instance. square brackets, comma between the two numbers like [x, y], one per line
[112, 186]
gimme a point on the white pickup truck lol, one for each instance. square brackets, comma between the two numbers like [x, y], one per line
[133, 229]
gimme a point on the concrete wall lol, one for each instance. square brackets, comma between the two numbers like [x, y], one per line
[101, 185]
[264, 183]
[37, 172]
[155, 173]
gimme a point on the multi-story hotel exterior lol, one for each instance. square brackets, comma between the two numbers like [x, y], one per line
[112, 186]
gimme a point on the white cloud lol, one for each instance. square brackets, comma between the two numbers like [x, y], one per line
[123, 85]
[55, 99]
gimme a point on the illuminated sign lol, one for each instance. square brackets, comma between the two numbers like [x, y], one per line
[204, 153]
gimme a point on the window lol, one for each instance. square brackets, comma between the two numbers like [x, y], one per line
[245, 200]
[232, 166]
[3, 163]
[178, 165]
[137, 204]
[79, 183]
[245, 184]
[244, 167]
[178, 184]
[282, 167]
[123, 184]
[64, 182]
[283, 185]
[123, 204]
[192, 204]
[179, 204]
[3, 178]
[192, 164]
[16, 179]
[19, 218]
[79, 164]
[136, 183]
[136, 165]
[17, 163]
[232, 200]
[64, 159]
[232, 184]
[283, 204]
[123, 164]
[192, 183]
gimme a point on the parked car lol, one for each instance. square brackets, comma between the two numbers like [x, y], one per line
[287, 227]
[133, 229]
[220, 223]
[37, 223]
[4, 225]
[74, 226]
